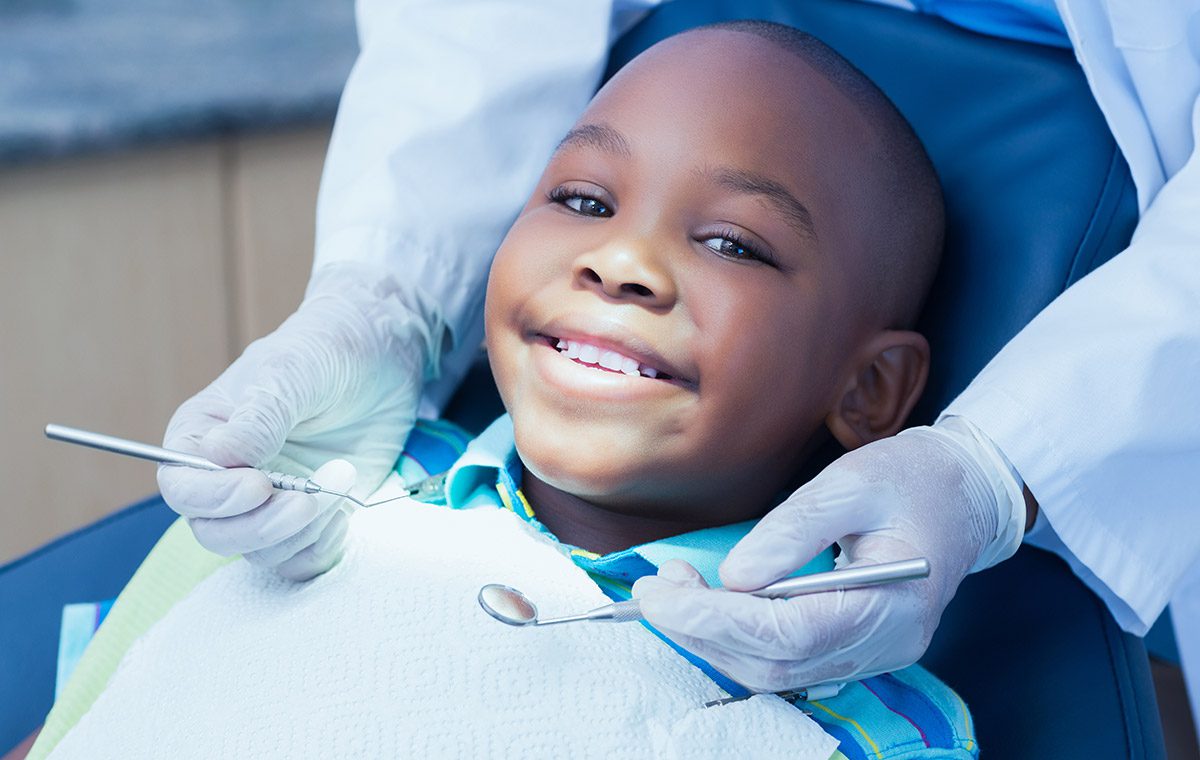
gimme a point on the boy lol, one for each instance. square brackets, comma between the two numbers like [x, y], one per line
[716, 273]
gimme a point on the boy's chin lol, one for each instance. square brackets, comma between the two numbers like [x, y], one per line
[586, 464]
[584, 475]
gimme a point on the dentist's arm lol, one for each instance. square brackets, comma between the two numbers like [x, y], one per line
[1094, 404]
[1106, 431]
[448, 117]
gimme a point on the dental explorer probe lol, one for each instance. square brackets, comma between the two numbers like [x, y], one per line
[282, 481]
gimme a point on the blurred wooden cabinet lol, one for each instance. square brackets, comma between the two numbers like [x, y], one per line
[127, 283]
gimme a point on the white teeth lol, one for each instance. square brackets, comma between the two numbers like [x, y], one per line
[611, 360]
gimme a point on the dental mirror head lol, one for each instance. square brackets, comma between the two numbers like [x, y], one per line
[507, 605]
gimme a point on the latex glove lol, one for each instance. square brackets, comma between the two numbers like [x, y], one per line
[318, 546]
[340, 378]
[944, 492]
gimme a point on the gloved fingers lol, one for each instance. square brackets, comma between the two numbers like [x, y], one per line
[873, 549]
[767, 674]
[788, 629]
[682, 575]
[284, 515]
[762, 674]
[791, 534]
[254, 433]
[194, 418]
[373, 447]
[876, 548]
[680, 572]
[276, 554]
[672, 574]
[336, 475]
[321, 555]
[213, 493]
[755, 673]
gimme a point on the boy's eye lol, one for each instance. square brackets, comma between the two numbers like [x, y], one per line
[727, 247]
[589, 206]
[732, 246]
[580, 202]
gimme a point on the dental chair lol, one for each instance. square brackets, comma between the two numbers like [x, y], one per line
[1037, 195]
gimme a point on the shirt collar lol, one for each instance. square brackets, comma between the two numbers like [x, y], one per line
[490, 458]
[491, 467]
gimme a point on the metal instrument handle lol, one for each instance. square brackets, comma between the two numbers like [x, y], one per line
[285, 482]
[618, 612]
[852, 577]
[127, 447]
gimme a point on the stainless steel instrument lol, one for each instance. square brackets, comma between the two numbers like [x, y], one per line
[508, 605]
[284, 482]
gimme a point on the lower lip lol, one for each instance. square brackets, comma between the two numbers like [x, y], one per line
[587, 380]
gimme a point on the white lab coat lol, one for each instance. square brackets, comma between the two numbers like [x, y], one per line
[1096, 402]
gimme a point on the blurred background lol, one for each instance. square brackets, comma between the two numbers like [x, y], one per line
[159, 164]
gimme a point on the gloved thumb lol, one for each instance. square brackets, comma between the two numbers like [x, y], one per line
[789, 536]
[672, 574]
[253, 435]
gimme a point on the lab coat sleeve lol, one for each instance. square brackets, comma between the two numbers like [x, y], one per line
[1097, 405]
[446, 122]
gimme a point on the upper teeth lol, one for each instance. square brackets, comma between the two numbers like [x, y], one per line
[586, 353]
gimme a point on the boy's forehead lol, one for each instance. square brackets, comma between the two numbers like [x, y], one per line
[716, 66]
[727, 98]
[729, 91]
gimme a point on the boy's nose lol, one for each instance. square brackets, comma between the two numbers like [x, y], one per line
[622, 272]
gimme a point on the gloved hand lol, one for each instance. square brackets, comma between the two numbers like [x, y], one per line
[340, 378]
[943, 492]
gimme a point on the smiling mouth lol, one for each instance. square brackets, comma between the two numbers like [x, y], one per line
[603, 359]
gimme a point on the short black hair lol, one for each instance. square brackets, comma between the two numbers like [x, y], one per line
[910, 231]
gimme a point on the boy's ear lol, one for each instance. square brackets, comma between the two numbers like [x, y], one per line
[887, 381]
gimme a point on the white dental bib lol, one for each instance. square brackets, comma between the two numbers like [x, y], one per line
[389, 655]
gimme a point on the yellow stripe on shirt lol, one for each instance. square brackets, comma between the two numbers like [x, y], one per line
[966, 720]
[525, 503]
[851, 721]
[505, 499]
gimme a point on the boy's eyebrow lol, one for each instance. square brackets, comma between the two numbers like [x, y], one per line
[744, 181]
[599, 136]
[610, 140]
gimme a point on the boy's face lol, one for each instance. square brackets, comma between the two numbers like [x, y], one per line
[699, 222]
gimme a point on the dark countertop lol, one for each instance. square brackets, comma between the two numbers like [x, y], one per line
[80, 76]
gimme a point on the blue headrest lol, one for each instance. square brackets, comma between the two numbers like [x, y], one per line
[1037, 193]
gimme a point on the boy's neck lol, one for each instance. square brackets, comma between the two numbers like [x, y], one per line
[580, 523]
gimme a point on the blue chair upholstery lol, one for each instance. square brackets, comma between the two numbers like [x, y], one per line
[1037, 195]
[89, 565]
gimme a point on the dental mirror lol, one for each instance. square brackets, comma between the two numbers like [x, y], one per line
[507, 605]
[510, 606]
